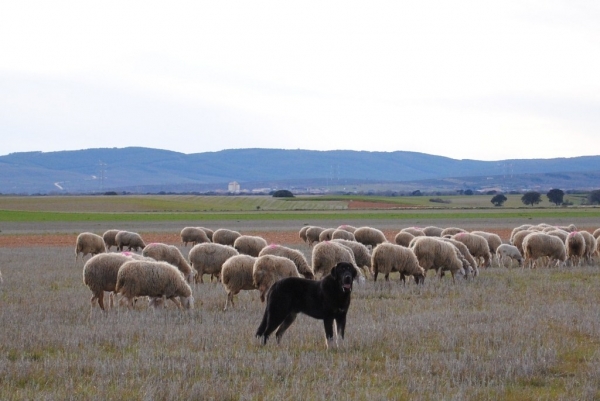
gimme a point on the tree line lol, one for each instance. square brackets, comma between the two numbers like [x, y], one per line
[554, 195]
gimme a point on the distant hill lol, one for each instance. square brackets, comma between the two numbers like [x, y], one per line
[137, 169]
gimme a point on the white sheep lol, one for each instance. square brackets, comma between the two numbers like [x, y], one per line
[507, 251]
[515, 230]
[388, 257]
[268, 269]
[100, 275]
[294, 255]
[225, 236]
[596, 233]
[433, 253]
[109, 238]
[88, 243]
[249, 244]
[236, 275]
[369, 236]
[302, 233]
[343, 234]
[208, 231]
[208, 258]
[170, 254]
[362, 254]
[450, 231]
[415, 231]
[562, 234]
[195, 235]
[575, 245]
[156, 280]
[312, 234]
[131, 240]
[347, 227]
[517, 239]
[326, 234]
[472, 268]
[328, 254]
[538, 245]
[433, 231]
[590, 245]
[477, 246]
[403, 238]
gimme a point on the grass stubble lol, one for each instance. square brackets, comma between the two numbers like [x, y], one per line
[510, 334]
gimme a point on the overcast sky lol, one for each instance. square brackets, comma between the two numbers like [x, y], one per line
[484, 80]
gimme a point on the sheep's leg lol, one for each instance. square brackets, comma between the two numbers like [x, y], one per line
[228, 299]
[101, 299]
[176, 302]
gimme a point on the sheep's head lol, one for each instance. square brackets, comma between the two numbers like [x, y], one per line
[187, 302]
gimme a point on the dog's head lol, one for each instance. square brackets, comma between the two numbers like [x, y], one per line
[344, 273]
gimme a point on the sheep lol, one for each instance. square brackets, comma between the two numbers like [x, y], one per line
[464, 251]
[208, 231]
[249, 244]
[596, 233]
[224, 236]
[208, 258]
[170, 254]
[517, 239]
[362, 255]
[537, 245]
[348, 228]
[88, 243]
[131, 240]
[590, 245]
[109, 239]
[294, 255]
[326, 234]
[493, 240]
[477, 245]
[403, 238]
[433, 231]
[433, 253]
[343, 234]
[312, 234]
[515, 230]
[570, 228]
[157, 280]
[236, 275]
[268, 269]
[369, 236]
[575, 245]
[195, 235]
[328, 254]
[100, 274]
[562, 234]
[415, 231]
[388, 257]
[450, 231]
[302, 233]
[511, 252]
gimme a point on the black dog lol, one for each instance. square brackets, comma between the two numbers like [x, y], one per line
[327, 299]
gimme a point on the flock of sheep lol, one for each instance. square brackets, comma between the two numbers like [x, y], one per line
[246, 262]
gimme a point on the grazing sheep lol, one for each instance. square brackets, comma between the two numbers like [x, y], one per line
[537, 245]
[415, 231]
[433, 231]
[517, 229]
[170, 254]
[570, 228]
[575, 245]
[369, 236]
[312, 234]
[433, 253]
[507, 251]
[464, 251]
[493, 240]
[328, 254]
[450, 231]
[100, 274]
[326, 234]
[403, 238]
[133, 241]
[224, 236]
[208, 231]
[590, 246]
[208, 258]
[517, 239]
[88, 243]
[249, 244]
[268, 269]
[362, 255]
[348, 228]
[562, 234]
[236, 275]
[294, 255]
[477, 246]
[109, 239]
[195, 235]
[343, 234]
[388, 257]
[596, 233]
[302, 233]
[157, 280]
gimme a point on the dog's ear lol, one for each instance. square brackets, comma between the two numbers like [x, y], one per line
[333, 271]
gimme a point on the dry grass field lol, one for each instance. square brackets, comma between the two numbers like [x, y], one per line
[511, 334]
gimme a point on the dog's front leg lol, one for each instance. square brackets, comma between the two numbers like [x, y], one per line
[328, 323]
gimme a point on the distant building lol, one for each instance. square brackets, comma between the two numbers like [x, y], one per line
[234, 187]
